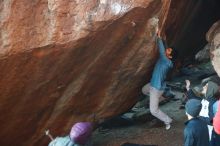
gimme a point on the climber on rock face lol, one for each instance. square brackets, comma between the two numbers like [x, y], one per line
[157, 84]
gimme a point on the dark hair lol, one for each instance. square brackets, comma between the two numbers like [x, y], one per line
[217, 95]
[174, 54]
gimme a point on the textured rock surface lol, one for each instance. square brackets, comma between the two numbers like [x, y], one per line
[64, 61]
[213, 37]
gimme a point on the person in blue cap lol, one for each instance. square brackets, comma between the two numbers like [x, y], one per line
[196, 131]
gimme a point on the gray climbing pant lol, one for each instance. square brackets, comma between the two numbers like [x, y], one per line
[155, 95]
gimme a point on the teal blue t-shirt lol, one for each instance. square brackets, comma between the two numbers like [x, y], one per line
[62, 141]
[161, 68]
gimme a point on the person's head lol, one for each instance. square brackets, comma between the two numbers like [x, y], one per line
[193, 108]
[81, 132]
[210, 89]
[169, 52]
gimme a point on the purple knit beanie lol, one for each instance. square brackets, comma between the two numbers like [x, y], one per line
[81, 132]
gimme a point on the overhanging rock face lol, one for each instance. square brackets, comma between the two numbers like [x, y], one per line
[68, 61]
[213, 37]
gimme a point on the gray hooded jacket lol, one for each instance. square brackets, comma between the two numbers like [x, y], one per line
[210, 96]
